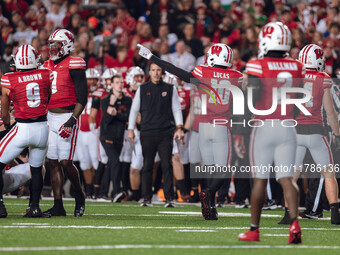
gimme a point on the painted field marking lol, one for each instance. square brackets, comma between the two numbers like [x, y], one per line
[143, 246]
[150, 227]
[196, 230]
[275, 234]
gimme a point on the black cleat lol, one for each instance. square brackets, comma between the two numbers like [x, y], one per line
[209, 211]
[3, 211]
[80, 205]
[169, 204]
[35, 212]
[313, 215]
[54, 211]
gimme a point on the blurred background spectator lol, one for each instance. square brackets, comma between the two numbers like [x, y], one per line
[107, 32]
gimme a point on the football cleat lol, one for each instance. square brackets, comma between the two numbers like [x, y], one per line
[146, 203]
[209, 211]
[3, 211]
[80, 205]
[35, 212]
[294, 233]
[250, 236]
[54, 211]
[169, 204]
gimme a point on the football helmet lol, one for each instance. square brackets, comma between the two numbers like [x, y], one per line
[130, 76]
[109, 73]
[26, 57]
[219, 54]
[60, 43]
[312, 56]
[92, 74]
[106, 78]
[170, 79]
[274, 36]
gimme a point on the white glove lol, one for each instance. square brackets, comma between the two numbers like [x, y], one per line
[144, 52]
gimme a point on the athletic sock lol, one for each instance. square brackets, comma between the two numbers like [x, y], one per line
[36, 184]
[58, 203]
[253, 227]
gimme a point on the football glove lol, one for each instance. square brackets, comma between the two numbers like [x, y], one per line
[144, 52]
[239, 147]
[65, 130]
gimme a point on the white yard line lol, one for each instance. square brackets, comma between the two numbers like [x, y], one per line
[196, 230]
[123, 246]
[150, 227]
[275, 234]
[30, 224]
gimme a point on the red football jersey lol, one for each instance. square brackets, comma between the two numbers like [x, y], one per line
[29, 92]
[315, 82]
[276, 73]
[196, 102]
[184, 94]
[63, 91]
[217, 77]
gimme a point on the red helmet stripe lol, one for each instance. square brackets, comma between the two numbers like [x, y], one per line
[283, 33]
[303, 54]
[22, 55]
[26, 54]
[306, 54]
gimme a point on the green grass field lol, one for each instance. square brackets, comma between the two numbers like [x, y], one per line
[126, 228]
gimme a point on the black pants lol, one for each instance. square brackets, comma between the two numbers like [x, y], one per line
[150, 145]
[113, 150]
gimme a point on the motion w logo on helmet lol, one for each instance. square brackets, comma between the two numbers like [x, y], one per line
[267, 31]
[216, 50]
[318, 53]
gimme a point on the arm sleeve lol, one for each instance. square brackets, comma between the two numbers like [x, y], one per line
[180, 73]
[176, 108]
[95, 103]
[135, 107]
[80, 84]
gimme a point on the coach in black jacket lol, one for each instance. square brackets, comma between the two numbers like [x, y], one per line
[160, 109]
[116, 108]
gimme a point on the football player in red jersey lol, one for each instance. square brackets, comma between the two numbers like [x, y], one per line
[69, 97]
[311, 134]
[270, 143]
[214, 139]
[87, 148]
[29, 89]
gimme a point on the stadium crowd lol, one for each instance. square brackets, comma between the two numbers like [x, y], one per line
[180, 32]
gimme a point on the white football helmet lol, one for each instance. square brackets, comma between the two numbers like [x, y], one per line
[274, 36]
[131, 73]
[60, 43]
[170, 79]
[92, 73]
[312, 56]
[109, 73]
[219, 54]
[26, 57]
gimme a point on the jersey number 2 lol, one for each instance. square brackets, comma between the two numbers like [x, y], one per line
[32, 94]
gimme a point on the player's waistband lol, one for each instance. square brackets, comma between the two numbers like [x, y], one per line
[41, 118]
